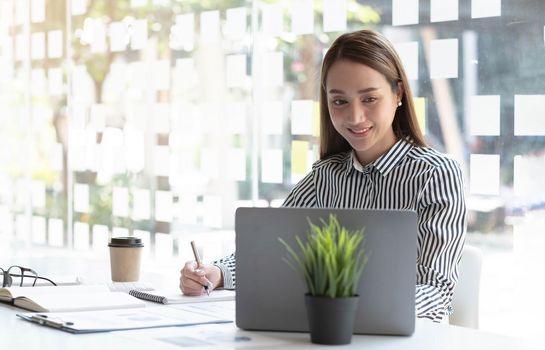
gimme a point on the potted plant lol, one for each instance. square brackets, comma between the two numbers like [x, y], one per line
[331, 262]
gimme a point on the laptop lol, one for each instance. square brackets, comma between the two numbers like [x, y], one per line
[270, 294]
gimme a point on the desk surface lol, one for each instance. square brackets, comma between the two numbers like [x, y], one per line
[18, 334]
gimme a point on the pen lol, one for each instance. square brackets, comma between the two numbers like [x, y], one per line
[199, 263]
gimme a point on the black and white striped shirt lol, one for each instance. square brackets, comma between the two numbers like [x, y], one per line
[405, 177]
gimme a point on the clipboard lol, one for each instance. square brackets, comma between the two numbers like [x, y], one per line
[81, 322]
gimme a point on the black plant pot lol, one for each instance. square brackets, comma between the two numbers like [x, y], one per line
[331, 320]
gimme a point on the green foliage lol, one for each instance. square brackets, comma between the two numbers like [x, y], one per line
[332, 259]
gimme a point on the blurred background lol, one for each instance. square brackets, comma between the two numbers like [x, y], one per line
[158, 118]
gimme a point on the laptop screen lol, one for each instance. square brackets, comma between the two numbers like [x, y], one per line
[270, 294]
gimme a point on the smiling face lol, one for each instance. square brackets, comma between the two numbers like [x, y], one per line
[362, 106]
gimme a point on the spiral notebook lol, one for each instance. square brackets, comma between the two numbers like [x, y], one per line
[176, 297]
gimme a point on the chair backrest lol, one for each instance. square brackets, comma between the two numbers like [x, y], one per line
[465, 300]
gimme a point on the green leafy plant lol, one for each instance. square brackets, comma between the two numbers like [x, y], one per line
[331, 260]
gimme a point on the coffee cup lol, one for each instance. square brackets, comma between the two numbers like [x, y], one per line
[125, 254]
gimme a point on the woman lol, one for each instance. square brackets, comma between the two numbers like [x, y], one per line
[373, 156]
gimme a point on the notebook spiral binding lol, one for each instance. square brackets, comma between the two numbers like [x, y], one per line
[149, 297]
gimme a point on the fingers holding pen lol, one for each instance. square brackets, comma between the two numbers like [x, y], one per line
[193, 279]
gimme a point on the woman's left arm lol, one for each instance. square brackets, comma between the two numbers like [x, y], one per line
[442, 228]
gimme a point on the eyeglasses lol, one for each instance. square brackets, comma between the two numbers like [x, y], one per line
[21, 276]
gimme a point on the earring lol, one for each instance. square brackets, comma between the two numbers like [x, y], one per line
[399, 104]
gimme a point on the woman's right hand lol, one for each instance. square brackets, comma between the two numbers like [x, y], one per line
[193, 279]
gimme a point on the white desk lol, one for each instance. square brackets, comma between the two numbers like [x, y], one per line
[19, 334]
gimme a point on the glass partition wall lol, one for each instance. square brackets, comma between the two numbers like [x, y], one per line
[158, 118]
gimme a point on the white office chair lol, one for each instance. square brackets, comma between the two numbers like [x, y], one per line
[465, 300]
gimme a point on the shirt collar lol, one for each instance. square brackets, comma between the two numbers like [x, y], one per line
[385, 163]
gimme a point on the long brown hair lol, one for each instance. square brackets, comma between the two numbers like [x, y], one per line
[375, 51]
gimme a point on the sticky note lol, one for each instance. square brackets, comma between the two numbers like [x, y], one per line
[527, 122]
[54, 44]
[334, 15]
[119, 36]
[404, 12]
[186, 170]
[485, 8]
[97, 116]
[163, 206]
[38, 194]
[38, 45]
[484, 115]
[210, 162]
[235, 70]
[21, 47]
[163, 246]
[38, 229]
[55, 81]
[525, 182]
[209, 113]
[92, 151]
[161, 118]
[139, 34]
[99, 33]
[120, 232]
[161, 161]
[212, 211]
[272, 166]
[21, 11]
[138, 76]
[237, 164]
[21, 228]
[81, 198]
[81, 235]
[161, 74]
[185, 74]
[444, 58]
[37, 11]
[56, 157]
[7, 47]
[302, 117]
[272, 117]
[420, 109]
[100, 238]
[408, 52]
[272, 19]
[111, 153]
[299, 157]
[302, 17]
[484, 174]
[6, 221]
[273, 69]
[120, 201]
[141, 204]
[38, 83]
[188, 209]
[78, 7]
[77, 156]
[55, 232]
[235, 116]
[210, 24]
[443, 10]
[134, 150]
[235, 25]
[183, 32]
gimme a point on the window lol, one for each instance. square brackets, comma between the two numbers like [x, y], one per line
[158, 118]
